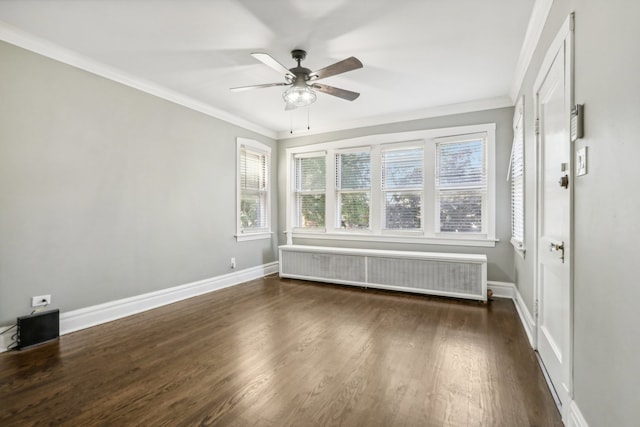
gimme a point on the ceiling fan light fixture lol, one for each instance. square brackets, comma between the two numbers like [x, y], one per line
[300, 96]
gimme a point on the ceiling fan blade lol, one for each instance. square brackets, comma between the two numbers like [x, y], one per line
[340, 93]
[243, 88]
[340, 67]
[268, 60]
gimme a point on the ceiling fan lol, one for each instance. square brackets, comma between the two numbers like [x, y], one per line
[302, 81]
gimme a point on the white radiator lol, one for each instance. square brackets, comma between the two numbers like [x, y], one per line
[455, 275]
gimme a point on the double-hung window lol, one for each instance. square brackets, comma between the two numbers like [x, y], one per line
[310, 190]
[435, 186]
[461, 185]
[402, 185]
[353, 189]
[253, 193]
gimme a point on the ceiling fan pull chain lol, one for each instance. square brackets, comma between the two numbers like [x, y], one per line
[291, 123]
[308, 114]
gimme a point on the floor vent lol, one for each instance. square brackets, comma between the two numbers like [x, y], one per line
[456, 275]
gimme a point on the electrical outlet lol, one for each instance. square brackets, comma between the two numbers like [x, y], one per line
[233, 263]
[40, 300]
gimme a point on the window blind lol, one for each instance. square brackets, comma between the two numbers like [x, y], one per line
[402, 184]
[353, 189]
[253, 190]
[517, 183]
[310, 184]
[461, 185]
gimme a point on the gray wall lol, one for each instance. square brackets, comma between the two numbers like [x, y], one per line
[500, 261]
[607, 206]
[107, 192]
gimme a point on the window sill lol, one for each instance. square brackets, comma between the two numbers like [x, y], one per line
[386, 238]
[243, 237]
[519, 247]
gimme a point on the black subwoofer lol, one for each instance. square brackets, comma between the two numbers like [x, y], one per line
[38, 328]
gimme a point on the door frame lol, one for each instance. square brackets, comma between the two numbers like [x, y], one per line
[564, 37]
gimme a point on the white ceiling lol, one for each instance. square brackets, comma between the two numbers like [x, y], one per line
[418, 55]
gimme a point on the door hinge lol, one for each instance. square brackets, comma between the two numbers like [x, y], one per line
[536, 126]
[536, 304]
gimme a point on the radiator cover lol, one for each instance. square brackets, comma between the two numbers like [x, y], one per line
[456, 275]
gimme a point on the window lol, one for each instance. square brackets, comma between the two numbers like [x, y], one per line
[310, 184]
[353, 189]
[433, 186]
[516, 174]
[402, 187]
[461, 185]
[253, 196]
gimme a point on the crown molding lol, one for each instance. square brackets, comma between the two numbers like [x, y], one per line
[43, 47]
[51, 50]
[539, 14]
[445, 110]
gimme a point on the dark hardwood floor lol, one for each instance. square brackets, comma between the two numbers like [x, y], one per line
[276, 352]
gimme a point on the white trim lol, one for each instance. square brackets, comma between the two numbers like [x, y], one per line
[43, 47]
[563, 41]
[51, 50]
[518, 246]
[509, 290]
[76, 320]
[525, 317]
[501, 289]
[552, 51]
[263, 149]
[390, 138]
[539, 14]
[445, 110]
[387, 237]
[575, 417]
[253, 236]
[376, 233]
[436, 256]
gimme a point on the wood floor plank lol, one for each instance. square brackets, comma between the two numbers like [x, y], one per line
[279, 352]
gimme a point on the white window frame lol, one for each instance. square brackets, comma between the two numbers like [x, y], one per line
[262, 149]
[453, 140]
[339, 191]
[428, 234]
[399, 146]
[296, 214]
[516, 176]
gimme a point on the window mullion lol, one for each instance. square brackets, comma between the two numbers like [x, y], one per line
[330, 190]
[429, 193]
[376, 190]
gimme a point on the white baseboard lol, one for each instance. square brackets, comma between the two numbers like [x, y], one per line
[76, 320]
[87, 317]
[501, 289]
[575, 417]
[525, 317]
[509, 290]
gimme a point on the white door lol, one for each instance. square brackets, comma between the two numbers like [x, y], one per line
[555, 182]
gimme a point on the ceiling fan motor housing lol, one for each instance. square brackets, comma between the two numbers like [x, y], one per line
[298, 55]
[301, 73]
